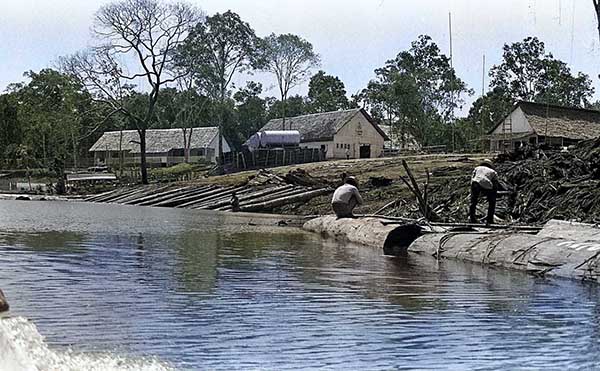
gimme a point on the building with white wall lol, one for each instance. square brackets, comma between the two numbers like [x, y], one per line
[339, 134]
[539, 123]
[164, 147]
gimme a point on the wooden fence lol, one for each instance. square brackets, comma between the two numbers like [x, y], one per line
[271, 157]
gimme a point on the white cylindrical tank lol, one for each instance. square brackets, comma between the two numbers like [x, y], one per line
[253, 142]
[278, 138]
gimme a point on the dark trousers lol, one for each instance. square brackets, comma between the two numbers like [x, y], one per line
[490, 194]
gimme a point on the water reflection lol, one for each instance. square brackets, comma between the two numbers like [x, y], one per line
[200, 293]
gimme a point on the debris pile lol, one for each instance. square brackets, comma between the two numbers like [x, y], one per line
[560, 185]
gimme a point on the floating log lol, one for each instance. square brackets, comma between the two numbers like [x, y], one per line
[364, 231]
[269, 205]
[554, 251]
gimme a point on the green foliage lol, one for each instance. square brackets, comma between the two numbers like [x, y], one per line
[294, 106]
[528, 73]
[174, 173]
[327, 93]
[215, 50]
[290, 58]
[417, 93]
[251, 109]
[213, 53]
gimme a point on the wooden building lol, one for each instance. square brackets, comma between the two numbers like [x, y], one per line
[538, 123]
[338, 134]
[164, 147]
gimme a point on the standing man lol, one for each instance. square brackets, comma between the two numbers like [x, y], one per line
[484, 181]
[345, 198]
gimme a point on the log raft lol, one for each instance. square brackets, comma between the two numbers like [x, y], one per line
[562, 249]
[212, 197]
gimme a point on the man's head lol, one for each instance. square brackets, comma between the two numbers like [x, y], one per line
[352, 181]
[488, 163]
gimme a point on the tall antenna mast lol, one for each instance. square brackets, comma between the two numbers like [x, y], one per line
[483, 77]
[450, 32]
[451, 93]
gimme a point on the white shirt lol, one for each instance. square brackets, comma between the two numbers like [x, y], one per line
[485, 176]
[345, 192]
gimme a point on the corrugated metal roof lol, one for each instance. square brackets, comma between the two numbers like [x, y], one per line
[157, 140]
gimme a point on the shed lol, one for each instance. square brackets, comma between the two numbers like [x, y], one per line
[339, 134]
[164, 147]
[539, 123]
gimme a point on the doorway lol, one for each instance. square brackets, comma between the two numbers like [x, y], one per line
[365, 151]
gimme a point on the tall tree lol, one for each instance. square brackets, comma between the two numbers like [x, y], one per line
[290, 58]
[54, 111]
[296, 105]
[528, 73]
[251, 109]
[215, 51]
[417, 92]
[145, 32]
[183, 109]
[597, 11]
[327, 93]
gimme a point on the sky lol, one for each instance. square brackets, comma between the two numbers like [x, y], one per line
[353, 37]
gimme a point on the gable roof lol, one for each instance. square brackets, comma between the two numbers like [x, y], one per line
[157, 140]
[319, 127]
[559, 121]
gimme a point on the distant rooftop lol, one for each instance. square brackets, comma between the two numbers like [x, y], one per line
[157, 140]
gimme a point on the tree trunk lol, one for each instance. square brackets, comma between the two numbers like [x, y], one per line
[143, 164]
[284, 106]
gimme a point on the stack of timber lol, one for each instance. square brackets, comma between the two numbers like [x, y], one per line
[545, 185]
[562, 249]
[263, 193]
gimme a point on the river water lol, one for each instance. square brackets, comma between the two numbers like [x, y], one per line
[107, 287]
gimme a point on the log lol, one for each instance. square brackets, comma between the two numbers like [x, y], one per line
[193, 201]
[101, 195]
[125, 193]
[538, 255]
[274, 195]
[269, 205]
[174, 196]
[365, 231]
[198, 192]
[253, 196]
[156, 195]
[577, 256]
[145, 192]
[207, 204]
[111, 195]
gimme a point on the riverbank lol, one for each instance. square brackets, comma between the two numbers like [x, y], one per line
[300, 189]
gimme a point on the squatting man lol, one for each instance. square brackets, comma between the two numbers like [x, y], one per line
[345, 198]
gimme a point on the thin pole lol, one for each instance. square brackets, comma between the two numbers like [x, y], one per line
[450, 32]
[482, 103]
[451, 93]
[483, 77]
